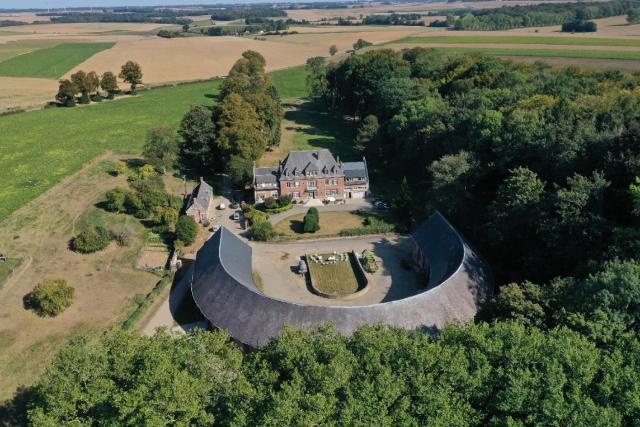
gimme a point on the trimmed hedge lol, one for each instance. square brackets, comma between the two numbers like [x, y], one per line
[146, 303]
[371, 225]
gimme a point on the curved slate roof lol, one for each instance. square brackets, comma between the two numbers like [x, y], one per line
[224, 291]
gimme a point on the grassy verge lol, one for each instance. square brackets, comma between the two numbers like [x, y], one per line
[339, 223]
[546, 53]
[145, 302]
[51, 63]
[558, 41]
[7, 268]
[257, 279]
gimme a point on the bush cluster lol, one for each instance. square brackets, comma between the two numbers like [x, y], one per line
[370, 225]
[186, 230]
[91, 240]
[274, 205]
[51, 297]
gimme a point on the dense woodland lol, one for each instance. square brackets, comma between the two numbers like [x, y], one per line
[539, 170]
[539, 15]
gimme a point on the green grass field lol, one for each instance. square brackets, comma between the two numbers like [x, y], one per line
[290, 82]
[559, 41]
[11, 50]
[546, 53]
[40, 148]
[51, 63]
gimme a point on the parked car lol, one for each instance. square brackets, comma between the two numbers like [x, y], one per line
[222, 206]
[382, 205]
[234, 205]
[236, 216]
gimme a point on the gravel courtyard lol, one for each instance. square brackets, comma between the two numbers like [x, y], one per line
[276, 264]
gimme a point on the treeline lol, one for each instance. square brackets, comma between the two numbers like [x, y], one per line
[244, 122]
[9, 23]
[500, 374]
[254, 25]
[394, 19]
[137, 17]
[539, 15]
[533, 165]
[232, 14]
[88, 85]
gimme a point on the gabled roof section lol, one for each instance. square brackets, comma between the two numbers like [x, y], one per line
[320, 163]
[203, 195]
[356, 170]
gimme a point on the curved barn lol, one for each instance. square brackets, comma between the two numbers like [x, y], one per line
[223, 289]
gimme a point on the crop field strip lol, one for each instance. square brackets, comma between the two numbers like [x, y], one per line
[546, 53]
[538, 40]
[52, 62]
[13, 49]
[41, 148]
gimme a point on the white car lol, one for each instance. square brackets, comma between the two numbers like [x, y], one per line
[222, 206]
[236, 216]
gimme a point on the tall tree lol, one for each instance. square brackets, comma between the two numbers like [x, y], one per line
[67, 93]
[131, 73]
[197, 131]
[84, 85]
[161, 149]
[109, 83]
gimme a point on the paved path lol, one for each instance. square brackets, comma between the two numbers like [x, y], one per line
[163, 315]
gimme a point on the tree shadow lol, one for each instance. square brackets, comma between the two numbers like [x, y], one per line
[13, 412]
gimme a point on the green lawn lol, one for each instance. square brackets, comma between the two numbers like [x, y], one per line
[566, 41]
[7, 267]
[40, 148]
[291, 82]
[337, 279]
[52, 62]
[11, 50]
[547, 53]
[331, 224]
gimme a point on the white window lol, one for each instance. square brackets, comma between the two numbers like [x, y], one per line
[331, 182]
[311, 184]
[274, 194]
[297, 183]
[295, 194]
[332, 192]
[289, 184]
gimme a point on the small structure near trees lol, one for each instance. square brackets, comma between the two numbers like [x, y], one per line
[200, 204]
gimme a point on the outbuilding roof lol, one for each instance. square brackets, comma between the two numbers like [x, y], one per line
[224, 291]
[266, 175]
[203, 196]
[356, 170]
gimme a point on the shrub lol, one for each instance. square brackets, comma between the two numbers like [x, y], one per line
[115, 200]
[122, 238]
[312, 221]
[284, 201]
[271, 203]
[51, 297]
[133, 205]
[263, 231]
[371, 225]
[186, 229]
[119, 168]
[91, 240]
[166, 216]
[369, 262]
[253, 215]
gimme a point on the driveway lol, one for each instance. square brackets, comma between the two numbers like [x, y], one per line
[275, 263]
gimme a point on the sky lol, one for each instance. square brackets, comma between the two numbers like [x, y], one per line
[43, 4]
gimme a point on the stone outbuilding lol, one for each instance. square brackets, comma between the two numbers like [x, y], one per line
[200, 204]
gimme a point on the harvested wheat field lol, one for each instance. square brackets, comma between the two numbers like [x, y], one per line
[83, 28]
[19, 92]
[172, 60]
[344, 39]
[22, 17]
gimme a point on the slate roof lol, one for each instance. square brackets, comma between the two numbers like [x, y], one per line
[268, 175]
[321, 162]
[356, 170]
[203, 196]
[224, 291]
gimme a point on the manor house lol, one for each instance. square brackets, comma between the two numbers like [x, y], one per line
[312, 174]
